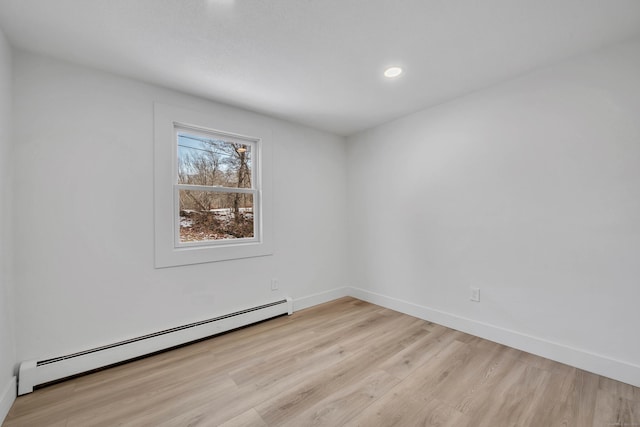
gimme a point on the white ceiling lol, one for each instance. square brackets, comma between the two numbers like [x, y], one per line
[319, 62]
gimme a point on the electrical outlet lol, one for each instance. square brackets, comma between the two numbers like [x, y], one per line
[475, 294]
[274, 284]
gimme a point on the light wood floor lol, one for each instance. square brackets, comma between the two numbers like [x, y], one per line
[342, 363]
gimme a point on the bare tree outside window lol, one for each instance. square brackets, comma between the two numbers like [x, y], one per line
[212, 210]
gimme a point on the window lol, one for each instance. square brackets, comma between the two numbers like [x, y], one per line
[215, 188]
[211, 188]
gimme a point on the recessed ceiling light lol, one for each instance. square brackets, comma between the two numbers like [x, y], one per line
[392, 72]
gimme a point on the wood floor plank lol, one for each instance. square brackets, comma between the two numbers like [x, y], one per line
[339, 407]
[347, 362]
[584, 396]
[403, 363]
[292, 402]
[616, 410]
[517, 395]
[486, 366]
[396, 409]
[250, 418]
[292, 357]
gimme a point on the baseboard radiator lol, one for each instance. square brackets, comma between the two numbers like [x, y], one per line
[36, 372]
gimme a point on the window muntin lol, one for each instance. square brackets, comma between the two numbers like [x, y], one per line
[216, 196]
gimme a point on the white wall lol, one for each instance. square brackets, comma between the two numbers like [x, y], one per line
[7, 343]
[529, 190]
[84, 214]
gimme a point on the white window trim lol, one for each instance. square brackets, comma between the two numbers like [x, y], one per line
[168, 252]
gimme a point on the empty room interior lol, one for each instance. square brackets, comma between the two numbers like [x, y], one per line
[295, 212]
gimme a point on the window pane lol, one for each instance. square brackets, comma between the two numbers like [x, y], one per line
[213, 161]
[210, 215]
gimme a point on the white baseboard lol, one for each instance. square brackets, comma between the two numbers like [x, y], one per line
[599, 364]
[320, 298]
[8, 396]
